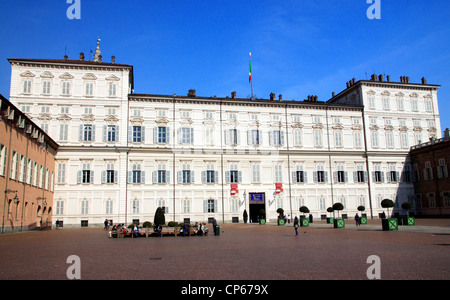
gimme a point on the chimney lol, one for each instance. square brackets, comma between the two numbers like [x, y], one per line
[353, 80]
[113, 59]
[272, 96]
[280, 97]
[233, 95]
[82, 56]
[348, 84]
[333, 94]
[407, 79]
[424, 81]
[66, 57]
[388, 78]
[381, 78]
[374, 77]
[192, 93]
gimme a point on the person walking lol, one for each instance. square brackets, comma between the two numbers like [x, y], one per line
[296, 226]
[357, 220]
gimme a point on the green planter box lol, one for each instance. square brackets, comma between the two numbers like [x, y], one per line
[262, 221]
[410, 221]
[363, 220]
[389, 224]
[304, 222]
[339, 223]
[330, 220]
[281, 222]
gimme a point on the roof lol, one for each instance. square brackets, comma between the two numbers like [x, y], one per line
[76, 62]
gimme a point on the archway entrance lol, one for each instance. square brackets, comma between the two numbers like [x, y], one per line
[257, 207]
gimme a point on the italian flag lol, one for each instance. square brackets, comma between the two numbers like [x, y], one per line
[250, 69]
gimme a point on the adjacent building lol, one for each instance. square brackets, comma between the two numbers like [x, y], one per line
[123, 154]
[27, 171]
[430, 166]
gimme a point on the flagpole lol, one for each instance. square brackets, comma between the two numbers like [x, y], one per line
[251, 77]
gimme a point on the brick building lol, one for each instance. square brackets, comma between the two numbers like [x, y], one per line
[430, 163]
[27, 171]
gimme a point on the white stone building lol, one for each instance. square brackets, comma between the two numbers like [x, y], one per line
[122, 154]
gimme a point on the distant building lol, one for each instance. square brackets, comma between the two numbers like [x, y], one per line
[431, 164]
[123, 154]
[27, 171]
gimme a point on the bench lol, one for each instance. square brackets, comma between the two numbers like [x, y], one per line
[150, 232]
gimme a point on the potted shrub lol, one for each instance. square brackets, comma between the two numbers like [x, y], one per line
[304, 222]
[338, 223]
[281, 221]
[389, 223]
[159, 219]
[330, 220]
[408, 220]
[262, 218]
[245, 216]
[363, 219]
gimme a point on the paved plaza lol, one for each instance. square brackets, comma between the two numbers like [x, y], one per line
[241, 252]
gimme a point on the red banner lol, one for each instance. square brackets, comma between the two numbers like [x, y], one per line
[278, 188]
[234, 189]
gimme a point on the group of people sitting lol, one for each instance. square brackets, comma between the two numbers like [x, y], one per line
[197, 229]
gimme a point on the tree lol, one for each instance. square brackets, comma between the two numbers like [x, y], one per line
[304, 209]
[280, 212]
[407, 206]
[338, 206]
[330, 210]
[387, 203]
[361, 208]
[159, 217]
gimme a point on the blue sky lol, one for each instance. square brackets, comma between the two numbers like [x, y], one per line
[299, 48]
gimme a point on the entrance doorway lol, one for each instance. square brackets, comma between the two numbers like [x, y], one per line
[257, 207]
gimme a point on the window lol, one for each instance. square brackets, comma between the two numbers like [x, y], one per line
[371, 102]
[320, 175]
[400, 104]
[256, 173]
[84, 207]
[59, 207]
[297, 137]
[63, 132]
[429, 105]
[338, 138]
[233, 176]
[210, 206]
[186, 175]
[112, 89]
[136, 175]
[442, 169]
[278, 172]
[64, 110]
[87, 111]
[414, 104]
[111, 133]
[109, 207]
[66, 88]
[27, 87]
[186, 206]
[360, 175]
[232, 137]
[357, 138]
[254, 137]
[389, 139]
[61, 178]
[87, 176]
[161, 174]
[340, 176]
[277, 138]
[209, 135]
[318, 140]
[110, 175]
[378, 175]
[322, 203]
[3, 157]
[46, 87]
[375, 140]
[185, 114]
[137, 134]
[299, 176]
[162, 134]
[89, 89]
[386, 103]
[210, 176]
[404, 139]
[88, 132]
[209, 115]
[232, 117]
[393, 175]
[136, 204]
[186, 135]
[14, 162]
[406, 173]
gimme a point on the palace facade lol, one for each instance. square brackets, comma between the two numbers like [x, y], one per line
[122, 155]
